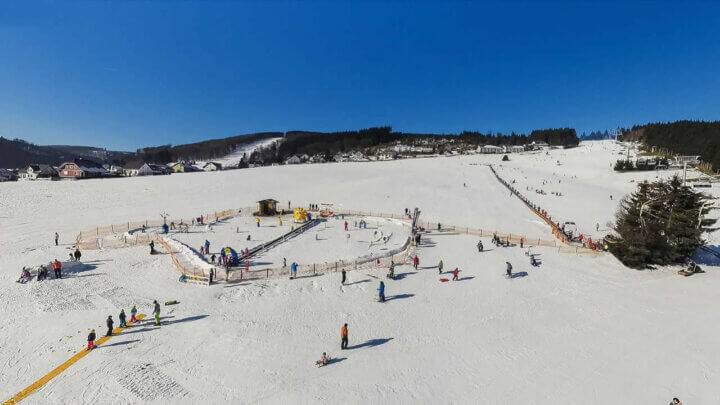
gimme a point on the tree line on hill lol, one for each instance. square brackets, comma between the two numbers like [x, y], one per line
[700, 138]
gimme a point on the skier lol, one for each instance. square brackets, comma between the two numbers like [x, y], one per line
[152, 247]
[293, 266]
[257, 222]
[212, 259]
[480, 246]
[343, 277]
[381, 290]
[133, 312]
[57, 237]
[212, 274]
[440, 267]
[207, 247]
[284, 262]
[439, 227]
[675, 401]
[344, 337]
[508, 270]
[597, 227]
[91, 340]
[416, 261]
[57, 267]
[77, 254]
[521, 242]
[455, 274]
[391, 273]
[156, 312]
[109, 323]
[346, 225]
[533, 261]
[122, 318]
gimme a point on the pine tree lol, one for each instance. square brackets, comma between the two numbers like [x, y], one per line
[660, 223]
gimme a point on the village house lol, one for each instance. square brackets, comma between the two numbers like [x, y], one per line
[137, 169]
[81, 169]
[212, 167]
[38, 172]
[515, 149]
[490, 149]
[182, 167]
[7, 175]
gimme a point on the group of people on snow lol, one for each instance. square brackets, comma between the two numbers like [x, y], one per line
[110, 323]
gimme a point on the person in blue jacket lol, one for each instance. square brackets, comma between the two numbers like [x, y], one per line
[381, 290]
[293, 267]
[207, 247]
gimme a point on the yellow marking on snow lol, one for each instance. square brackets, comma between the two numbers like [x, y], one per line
[39, 383]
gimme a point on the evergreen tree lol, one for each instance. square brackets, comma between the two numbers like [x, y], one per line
[660, 223]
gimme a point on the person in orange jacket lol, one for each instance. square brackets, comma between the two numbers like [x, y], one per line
[344, 337]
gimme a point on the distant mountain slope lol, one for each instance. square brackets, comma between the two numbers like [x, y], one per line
[17, 153]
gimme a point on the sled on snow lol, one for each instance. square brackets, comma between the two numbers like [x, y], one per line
[692, 269]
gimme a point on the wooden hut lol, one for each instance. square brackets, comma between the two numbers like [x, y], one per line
[267, 207]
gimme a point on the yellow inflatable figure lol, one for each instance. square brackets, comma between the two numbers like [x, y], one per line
[300, 215]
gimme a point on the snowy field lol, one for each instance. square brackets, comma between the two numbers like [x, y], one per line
[577, 329]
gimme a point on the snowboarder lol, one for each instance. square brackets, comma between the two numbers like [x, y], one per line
[109, 324]
[57, 237]
[416, 261]
[156, 312]
[57, 267]
[293, 266]
[123, 323]
[343, 277]
[455, 274]
[381, 291]
[508, 270]
[77, 254]
[133, 312]
[480, 246]
[344, 337]
[440, 267]
[91, 340]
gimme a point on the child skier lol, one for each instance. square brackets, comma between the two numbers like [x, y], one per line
[156, 312]
[480, 246]
[91, 340]
[508, 270]
[440, 267]
[122, 318]
[416, 261]
[455, 274]
[324, 359]
[381, 290]
[133, 312]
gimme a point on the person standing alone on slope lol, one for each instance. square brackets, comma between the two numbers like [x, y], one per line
[156, 312]
[344, 337]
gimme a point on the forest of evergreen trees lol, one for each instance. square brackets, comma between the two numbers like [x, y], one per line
[681, 137]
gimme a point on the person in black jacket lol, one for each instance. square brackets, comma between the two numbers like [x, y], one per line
[109, 323]
[91, 340]
[77, 254]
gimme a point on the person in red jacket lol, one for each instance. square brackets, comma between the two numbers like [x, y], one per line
[346, 225]
[416, 261]
[57, 267]
[455, 274]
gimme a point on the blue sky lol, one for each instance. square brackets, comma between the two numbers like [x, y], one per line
[129, 74]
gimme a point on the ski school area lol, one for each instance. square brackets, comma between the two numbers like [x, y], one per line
[471, 295]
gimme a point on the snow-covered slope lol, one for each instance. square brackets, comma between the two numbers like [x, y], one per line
[577, 329]
[233, 158]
